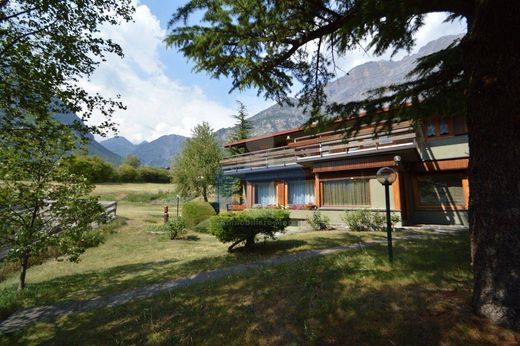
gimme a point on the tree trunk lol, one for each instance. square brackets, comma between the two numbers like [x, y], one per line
[24, 263]
[492, 65]
[205, 193]
[250, 243]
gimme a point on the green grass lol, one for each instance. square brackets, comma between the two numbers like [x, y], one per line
[133, 257]
[122, 191]
[347, 298]
[353, 298]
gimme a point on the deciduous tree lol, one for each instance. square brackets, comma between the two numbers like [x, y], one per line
[265, 44]
[42, 203]
[195, 169]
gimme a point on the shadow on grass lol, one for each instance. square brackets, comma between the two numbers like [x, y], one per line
[119, 278]
[352, 298]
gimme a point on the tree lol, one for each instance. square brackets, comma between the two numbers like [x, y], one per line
[93, 168]
[265, 44]
[241, 130]
[195, 169]
[43, 204]
[46, 48]
[243, 127]
[132, 160]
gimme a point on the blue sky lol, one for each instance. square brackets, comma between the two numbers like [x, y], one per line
[164, 96]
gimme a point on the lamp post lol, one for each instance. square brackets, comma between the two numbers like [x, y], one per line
[178, 198]
[387, 176]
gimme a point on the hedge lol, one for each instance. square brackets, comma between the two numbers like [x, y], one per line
[195, 212]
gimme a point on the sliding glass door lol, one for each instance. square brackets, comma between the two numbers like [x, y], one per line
[265, 193]
[300, 192]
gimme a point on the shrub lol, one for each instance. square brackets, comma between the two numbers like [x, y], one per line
[126, 174]
[202, 227]
[147, 174]
[195, 212]
[175, 227]
[245, 226]
[364, 220]
[319, 222]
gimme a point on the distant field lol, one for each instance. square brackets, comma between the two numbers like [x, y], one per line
[117, 192]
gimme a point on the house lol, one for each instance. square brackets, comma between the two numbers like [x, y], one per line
[305, 169]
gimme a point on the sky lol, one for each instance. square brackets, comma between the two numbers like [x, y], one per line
[164, 96]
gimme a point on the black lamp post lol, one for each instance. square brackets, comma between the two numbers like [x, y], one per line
[387, 176]
[178, 198]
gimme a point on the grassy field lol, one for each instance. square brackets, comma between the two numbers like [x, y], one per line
[347, 298]
[132, 256]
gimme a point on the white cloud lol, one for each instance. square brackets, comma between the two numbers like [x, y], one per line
[156, 104]
[433, 28]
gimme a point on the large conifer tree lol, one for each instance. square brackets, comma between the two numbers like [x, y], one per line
[265, 44]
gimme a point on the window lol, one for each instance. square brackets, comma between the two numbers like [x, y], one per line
[300, 192]
[443, 127]
[346, 192]
[440, 190]
[264, 193]
[431, 128]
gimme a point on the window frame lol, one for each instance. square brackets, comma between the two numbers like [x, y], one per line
[353, 206]
[443, 206]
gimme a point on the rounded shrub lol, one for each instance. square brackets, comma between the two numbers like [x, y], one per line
[246, 225]
[195, 212]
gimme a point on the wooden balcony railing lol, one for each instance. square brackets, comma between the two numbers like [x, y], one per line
[317, 147]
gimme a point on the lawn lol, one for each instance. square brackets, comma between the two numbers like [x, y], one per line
[133, 256]
[353, 298]
[346, 298]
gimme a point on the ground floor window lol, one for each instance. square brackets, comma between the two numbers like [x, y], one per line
[300, 192]
[265, 193]
[440, 190]
[346, 192]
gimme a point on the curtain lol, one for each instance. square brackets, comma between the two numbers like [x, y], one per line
[264, 193]
[300, 192]
[346, 192]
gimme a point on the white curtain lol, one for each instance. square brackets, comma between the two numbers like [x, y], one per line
[301, 192]
[264, 194]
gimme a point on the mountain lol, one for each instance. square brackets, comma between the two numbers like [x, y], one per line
[93, 147]
[119, 145]
[158, 153]
[351, 87]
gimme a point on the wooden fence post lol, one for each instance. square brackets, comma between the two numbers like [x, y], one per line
[166, 216]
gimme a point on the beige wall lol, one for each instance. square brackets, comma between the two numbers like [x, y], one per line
[449, 148]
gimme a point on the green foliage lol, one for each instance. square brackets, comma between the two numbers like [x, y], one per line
[93, 168]
[203, 227]
[195, 212]
[132, 160]
[364, 220]
[243, 127]
[319, 222]
[265, 45]
[246, 225]
[44, 203]
[175, 227]
[127, 174]
[196, 167]
[147, 174]
[47, 47]
[149, 197]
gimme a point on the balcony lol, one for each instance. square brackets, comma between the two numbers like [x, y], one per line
[319, 147]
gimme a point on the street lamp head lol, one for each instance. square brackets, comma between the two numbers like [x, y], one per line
[397, 160]
[386, 175]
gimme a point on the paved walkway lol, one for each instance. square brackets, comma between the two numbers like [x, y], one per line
[23, 318]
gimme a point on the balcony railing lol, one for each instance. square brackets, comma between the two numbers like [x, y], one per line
[321, 146]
